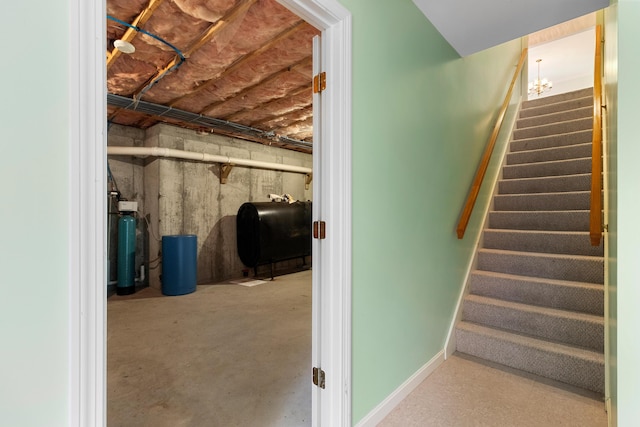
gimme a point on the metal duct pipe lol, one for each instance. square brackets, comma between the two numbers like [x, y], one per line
[202, 157]
[198, 119]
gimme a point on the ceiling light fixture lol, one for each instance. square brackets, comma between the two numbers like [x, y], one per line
[124, 46]
[539, 86]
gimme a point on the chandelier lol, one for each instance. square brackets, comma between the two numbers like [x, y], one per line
[539, 86]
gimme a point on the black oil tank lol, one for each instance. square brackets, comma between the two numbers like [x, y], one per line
[269, 232]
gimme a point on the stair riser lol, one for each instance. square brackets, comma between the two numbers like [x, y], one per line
[560, 329]
[554, 129]
[553, 221]
[580, 182]
[553, 243]
[550, 154]
[586, 374]
[585, 298]
[582, 269]
[554, 108]
[560, 168]
[543, 202]
[537, 143]
[557, 117]
[554, 99]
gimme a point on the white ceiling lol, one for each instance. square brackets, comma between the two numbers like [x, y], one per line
[472, 25]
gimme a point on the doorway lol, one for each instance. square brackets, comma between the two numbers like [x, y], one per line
[331, 352]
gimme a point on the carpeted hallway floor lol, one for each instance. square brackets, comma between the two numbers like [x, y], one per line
[466, 391]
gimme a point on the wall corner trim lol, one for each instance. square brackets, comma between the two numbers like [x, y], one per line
[385, 407]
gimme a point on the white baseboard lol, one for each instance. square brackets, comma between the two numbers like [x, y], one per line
[386, 406]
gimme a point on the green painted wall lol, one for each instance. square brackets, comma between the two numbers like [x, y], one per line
[33, 218]
[625, 233]
[421, 117]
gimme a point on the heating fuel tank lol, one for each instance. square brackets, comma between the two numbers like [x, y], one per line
[269, 232]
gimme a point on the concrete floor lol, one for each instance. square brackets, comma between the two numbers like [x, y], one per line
[225, 355]
[231, 355]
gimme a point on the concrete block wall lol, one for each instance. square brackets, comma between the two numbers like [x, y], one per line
[184, 197]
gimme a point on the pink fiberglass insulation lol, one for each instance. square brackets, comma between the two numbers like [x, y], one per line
[223, 78]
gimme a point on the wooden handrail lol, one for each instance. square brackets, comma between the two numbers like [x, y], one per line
[595, 215]
[484, 162]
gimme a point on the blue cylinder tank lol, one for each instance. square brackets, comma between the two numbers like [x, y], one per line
[179, 264]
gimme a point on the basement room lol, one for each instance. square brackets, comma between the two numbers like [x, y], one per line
[209, 202]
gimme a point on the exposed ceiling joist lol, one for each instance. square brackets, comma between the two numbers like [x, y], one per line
[246, 60]
[131, 33]
[289, 68]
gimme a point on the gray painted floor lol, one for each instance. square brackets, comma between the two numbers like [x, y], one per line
[225, 355]
[465, 391]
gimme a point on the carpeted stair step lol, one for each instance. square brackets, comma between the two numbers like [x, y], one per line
[535, 299]
[540, 220]
[539, 142]
[560, 294]
[575, 366]
[554, 242]
[579, 268]
[566, 152]
[552, 168]
[555, 117]
[568, 327]
[574, 200]
[578, 182]
[554, 128]
[554, 99]
[571, 104]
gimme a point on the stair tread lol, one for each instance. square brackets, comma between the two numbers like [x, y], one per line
[539, 254]
[567, 102]
[524, 141]
[541, 344]
[574, 159]
[551, 117]
[537, 232]
[557, 98]
[558, 282]
[564, 193]
[542, 211]
[533, 178]
[536, 309]
[578, 123]
[549, 150]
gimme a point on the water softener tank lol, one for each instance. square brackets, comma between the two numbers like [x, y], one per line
[126, 255]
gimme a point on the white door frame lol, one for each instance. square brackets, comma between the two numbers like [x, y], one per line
[87, 223]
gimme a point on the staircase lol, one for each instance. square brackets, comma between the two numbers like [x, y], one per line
[536, 297]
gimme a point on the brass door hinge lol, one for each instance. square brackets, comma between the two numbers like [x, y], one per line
[319, 82]
[318, 377]
[319, 230]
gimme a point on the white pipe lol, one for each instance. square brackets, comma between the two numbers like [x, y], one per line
[202, 157]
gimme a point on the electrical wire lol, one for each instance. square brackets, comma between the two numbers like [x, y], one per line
[112, 178]
[151, 229]
[161, 40]
[143, 31]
